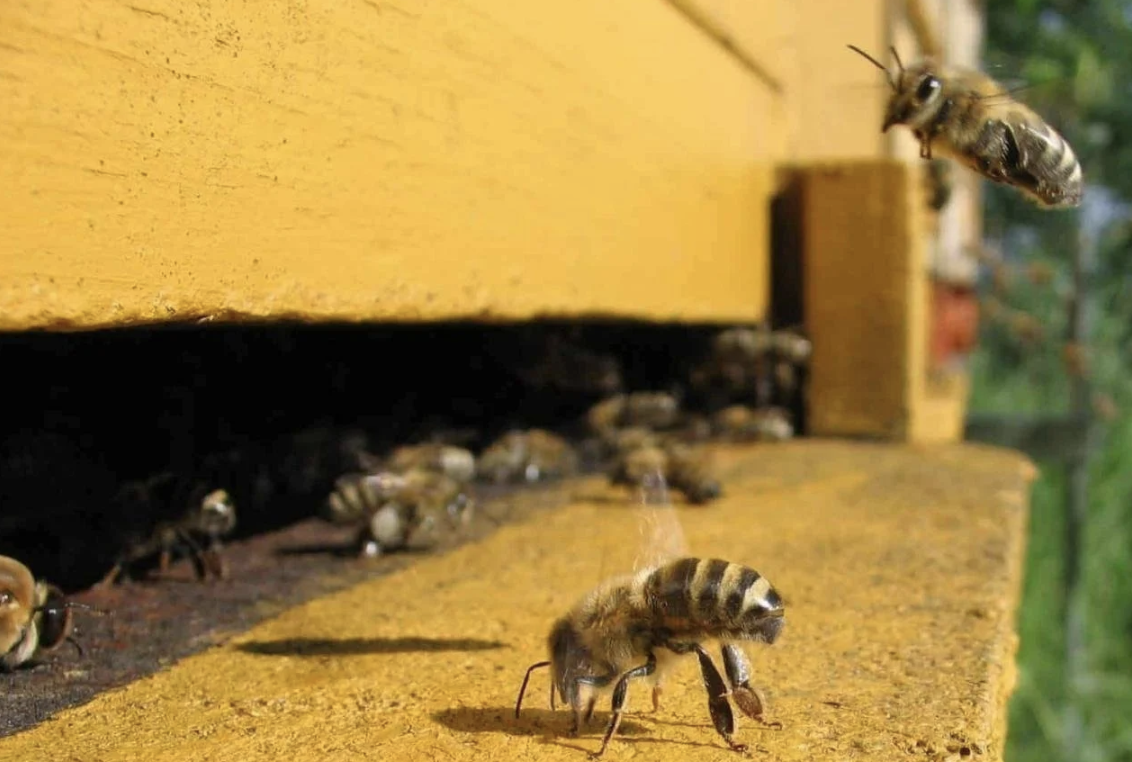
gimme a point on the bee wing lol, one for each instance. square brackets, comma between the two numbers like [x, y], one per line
[662, 536]
[1029, 142]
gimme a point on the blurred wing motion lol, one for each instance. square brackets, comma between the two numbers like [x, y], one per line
[662, 536]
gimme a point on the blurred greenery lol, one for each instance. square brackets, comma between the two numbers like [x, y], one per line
[1077, 55]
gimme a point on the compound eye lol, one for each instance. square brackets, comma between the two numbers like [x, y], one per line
[927, 88]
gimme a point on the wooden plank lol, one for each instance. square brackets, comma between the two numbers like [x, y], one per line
[901, 569]
[866, 303]
[759, 33]
[377, 159]
[835, 98]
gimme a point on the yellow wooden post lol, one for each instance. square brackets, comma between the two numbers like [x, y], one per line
[865, 299]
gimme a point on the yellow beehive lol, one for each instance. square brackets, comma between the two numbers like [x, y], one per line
[386, 160]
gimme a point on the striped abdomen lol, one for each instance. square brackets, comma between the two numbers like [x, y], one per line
[696, 598]
[1031, 156]
[358, 496]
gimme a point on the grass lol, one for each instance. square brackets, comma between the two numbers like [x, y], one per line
[1102, 695]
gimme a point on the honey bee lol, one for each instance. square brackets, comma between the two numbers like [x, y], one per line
[687, 468]
[792, 351]
[739, 362]
[454, 462]
[637, 410]
[34, 616]
[967, 116]
[528, 456]
[740, 423]
[636, 626]
[199, 529]
[791, 346]
[654, 410]
[393, 507]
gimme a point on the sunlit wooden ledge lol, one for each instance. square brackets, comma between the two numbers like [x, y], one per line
[900, 565]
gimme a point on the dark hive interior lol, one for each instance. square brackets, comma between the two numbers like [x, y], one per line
[257, 409]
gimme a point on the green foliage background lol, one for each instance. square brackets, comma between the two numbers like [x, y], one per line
[1076, 56]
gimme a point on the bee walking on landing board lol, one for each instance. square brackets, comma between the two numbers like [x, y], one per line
[967, 116]
[636, 627]
[34, 617]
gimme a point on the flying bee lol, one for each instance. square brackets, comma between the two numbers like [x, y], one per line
[391, 508]
[454, 462]
[638, 625]
[35, 618]
[687, 468]
[967, 116]
[209, 517]
[528, 456]
[740, 423]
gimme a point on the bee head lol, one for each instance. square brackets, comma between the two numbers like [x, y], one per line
[916, 91]
[216, 515]
[54, 618]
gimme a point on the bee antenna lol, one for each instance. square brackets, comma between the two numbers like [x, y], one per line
[526, 679]
[898, 61]
[54, 607]
[879, 65]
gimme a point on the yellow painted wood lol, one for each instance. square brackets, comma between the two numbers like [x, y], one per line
[377, 159]
[900, 567]
[835, 99]
[942, 410]
[759, 32]
[866, 303]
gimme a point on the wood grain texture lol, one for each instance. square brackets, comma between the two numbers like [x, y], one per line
[377, 159]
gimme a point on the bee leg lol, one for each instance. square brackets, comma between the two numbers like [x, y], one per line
[215, 562]
[656, 691]
[367, 545]
[738, 670]
[721, 715]
[589, 710]
[594, 682]
[164, 560]
[196, 554]
[619, 692]
[111, 576]
[926, 147]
